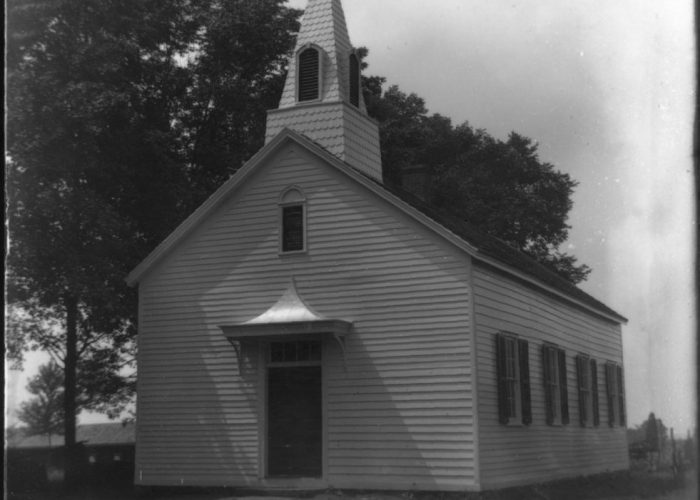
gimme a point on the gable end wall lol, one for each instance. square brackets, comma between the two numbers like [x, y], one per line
[398, 408]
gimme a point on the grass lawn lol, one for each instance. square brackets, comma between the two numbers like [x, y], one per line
[634, 485]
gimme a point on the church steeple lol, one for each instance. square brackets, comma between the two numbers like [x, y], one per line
[322, 96]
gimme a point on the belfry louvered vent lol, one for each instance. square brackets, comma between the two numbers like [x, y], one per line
[354, 81]
[308, 75]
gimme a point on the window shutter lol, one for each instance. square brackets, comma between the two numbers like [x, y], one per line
[503, 413]
[621, 395]
[308, 75]
[563, 387]
[524, 359]
[580, 362]
[354, 80]
[609, 381]
[594, 392]
[547, 376]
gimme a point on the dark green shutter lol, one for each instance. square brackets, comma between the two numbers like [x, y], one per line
[503, 413]
[594, 393]
[563, 387]
[524, 359]
[547, 376]
[580, 367]
[621, 395]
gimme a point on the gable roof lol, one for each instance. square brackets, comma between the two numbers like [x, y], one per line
[90, 434]
[462, 234]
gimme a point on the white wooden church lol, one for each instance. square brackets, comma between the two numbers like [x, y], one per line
[307, 328]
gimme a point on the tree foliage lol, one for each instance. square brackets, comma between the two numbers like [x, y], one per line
[88, 135]
[237, 74]
[500, 187]
[43, 414]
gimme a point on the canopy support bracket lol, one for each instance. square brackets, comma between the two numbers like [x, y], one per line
[340, 339]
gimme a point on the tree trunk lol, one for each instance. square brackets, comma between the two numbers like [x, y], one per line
[69, 406]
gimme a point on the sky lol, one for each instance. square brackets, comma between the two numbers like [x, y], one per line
[606, 88]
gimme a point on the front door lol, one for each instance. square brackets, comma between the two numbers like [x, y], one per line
[294, 417]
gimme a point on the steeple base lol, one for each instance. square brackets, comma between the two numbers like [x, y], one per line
[340, 128]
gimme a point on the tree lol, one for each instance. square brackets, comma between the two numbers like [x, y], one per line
[689, 448]
[122, 117]
[651, 431]
[43, 414]
[650, 440]
[94, 177]
[237, 74]
[500, 187]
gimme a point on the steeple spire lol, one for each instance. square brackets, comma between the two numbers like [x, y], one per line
[323, 25]
[322, 96]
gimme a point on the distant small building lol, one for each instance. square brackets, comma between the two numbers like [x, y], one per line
[308, 327]
[107, 448]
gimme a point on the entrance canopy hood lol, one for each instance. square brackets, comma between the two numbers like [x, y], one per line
[288, 316]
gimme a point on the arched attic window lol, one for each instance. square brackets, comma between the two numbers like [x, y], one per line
[354, 80]
[309, 74]
[292, 205]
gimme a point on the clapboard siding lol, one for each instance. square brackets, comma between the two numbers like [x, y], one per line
[512, 454]
[399, 409]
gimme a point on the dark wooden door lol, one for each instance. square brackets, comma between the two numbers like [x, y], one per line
[294, 421]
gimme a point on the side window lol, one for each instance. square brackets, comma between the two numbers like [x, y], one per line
[292, 221]
[513, 379]
[587, 373]
[555, 385]
[354, 80]
[615, 386]
[309, 77]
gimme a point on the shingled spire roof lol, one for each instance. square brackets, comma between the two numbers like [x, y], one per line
[322, 96]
